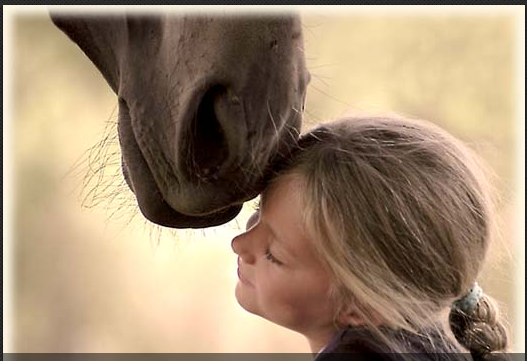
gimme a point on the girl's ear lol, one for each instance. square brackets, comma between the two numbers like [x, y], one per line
[351, 317]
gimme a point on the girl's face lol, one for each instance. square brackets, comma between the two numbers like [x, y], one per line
[280, 275]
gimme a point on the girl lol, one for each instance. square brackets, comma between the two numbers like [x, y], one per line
[366, 235]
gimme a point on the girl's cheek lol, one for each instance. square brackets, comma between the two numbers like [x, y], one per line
[275, 279]
[265, 276]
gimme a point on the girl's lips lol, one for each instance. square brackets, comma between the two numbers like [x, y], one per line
[243, 280]
[241, 277]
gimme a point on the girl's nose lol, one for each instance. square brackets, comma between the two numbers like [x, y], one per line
[244, 244]
[241, 245]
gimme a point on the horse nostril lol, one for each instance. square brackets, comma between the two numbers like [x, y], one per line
[219, 133]
[210, 144]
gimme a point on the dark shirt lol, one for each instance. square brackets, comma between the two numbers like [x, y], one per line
[359, 343]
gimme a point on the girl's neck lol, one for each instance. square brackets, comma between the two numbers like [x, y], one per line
[318, 340]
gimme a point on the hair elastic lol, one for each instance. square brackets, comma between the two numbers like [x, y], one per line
[469, 302]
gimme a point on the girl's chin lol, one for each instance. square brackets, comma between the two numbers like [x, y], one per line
[244, 300]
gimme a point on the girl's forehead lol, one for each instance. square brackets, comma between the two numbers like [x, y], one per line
[288, 186]
[283, 207]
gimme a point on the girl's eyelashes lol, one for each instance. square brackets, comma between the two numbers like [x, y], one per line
[272, 258]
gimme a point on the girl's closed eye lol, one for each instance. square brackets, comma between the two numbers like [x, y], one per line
[271, 257]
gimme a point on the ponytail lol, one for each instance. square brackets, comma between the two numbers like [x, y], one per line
[475, 322]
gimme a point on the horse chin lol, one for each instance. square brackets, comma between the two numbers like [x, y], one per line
[164, 215]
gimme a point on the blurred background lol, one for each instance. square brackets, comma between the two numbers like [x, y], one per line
[90, 275]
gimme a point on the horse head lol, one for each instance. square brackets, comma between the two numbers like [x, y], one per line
[206, 102]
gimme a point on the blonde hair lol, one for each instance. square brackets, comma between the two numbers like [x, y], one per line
[402, 218]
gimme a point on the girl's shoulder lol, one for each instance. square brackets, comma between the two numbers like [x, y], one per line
[365, 345]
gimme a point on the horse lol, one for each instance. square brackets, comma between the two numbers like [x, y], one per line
[206, 103]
